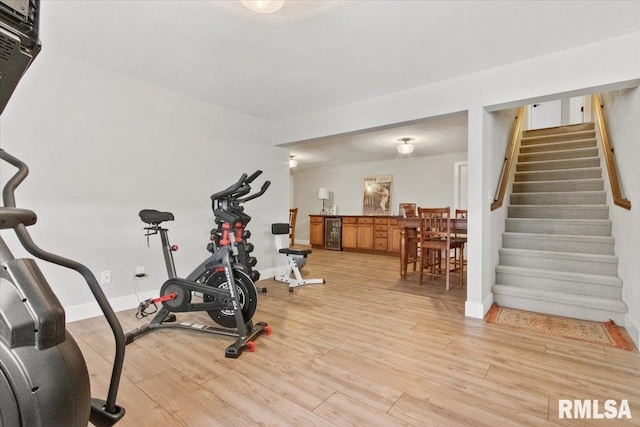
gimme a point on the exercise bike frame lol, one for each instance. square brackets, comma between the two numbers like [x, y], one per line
[246, 332]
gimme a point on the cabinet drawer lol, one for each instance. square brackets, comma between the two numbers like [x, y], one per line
[381, 221]
[380, 244]
[381, 234]
[364, 220]
[317, 219]
[347, 220]
[379, 227]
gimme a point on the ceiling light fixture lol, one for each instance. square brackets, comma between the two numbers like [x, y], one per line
[292, 162]
[405, 148]
[263, 6]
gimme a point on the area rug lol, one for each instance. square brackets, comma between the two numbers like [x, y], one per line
[603, 333]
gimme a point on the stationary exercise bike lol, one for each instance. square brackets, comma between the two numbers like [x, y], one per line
[43, 375]
[228, 294]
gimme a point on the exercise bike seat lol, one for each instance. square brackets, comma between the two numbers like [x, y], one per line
[152, 216]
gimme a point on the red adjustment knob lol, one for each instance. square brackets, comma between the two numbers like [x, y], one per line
[226, 225]
[174, 248]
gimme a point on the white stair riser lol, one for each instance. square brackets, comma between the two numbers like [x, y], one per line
[557, 155]
[589, 162]
[555, 243]
[579, 127]
[558, 146]
[560, 212]
[559, 309]
[529, 140]
[559, 186]
[563, 174]
[551, 226]
[558, 285]
[585, 264]
[572, 198]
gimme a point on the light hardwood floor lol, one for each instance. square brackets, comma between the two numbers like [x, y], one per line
[364, 349]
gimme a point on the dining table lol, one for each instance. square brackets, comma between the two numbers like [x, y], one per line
[410, 227]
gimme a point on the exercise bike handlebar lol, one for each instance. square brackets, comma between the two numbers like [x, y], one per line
[255, 195]
[8, 195]
[230, 190]
[241, 188]
[253, 176]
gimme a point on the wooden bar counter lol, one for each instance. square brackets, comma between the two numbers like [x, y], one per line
[378, 234]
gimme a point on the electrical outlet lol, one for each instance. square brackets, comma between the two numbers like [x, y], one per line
[105, 277]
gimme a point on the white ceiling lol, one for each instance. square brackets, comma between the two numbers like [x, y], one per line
[316, 55]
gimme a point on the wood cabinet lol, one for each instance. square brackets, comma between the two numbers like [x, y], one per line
[381, 234]
[394, 235]
[316, 231]
[365, 233]
[350, 233]
[375, 234]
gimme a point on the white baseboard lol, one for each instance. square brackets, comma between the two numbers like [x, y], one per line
[476, 310]
[91, 309]
[633, 328]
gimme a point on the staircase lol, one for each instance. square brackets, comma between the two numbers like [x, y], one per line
[557, 254]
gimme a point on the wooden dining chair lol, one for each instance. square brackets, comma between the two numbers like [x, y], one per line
[293, 213]
[460, 213]
[408, 210]
[436, 238]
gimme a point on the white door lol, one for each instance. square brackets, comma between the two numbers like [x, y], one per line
[545, 114]
[579, 109]
[460, 185]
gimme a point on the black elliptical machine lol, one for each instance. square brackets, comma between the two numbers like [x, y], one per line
[43, 375]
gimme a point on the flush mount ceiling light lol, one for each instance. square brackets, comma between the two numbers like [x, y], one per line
[263, 6]
[292, 162]
[405, 148]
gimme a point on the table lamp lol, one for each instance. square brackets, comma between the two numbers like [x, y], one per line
[323, 193]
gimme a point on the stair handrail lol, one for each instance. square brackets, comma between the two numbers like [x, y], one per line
[508, 161]
[609, 157]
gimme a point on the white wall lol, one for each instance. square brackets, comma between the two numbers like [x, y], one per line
[498, 129]
[101, 146]
[562, 74]
[621, 112]
[426, 181]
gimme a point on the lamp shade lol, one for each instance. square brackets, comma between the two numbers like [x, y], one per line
[323, 193]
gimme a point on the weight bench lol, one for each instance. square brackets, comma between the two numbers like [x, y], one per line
[297, 260]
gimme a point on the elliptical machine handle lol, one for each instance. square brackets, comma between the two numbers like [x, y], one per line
[8, 192]
[12, 216]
